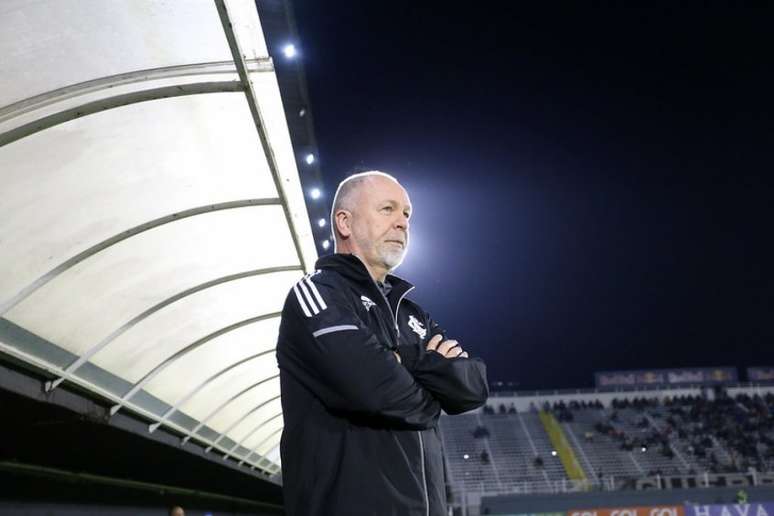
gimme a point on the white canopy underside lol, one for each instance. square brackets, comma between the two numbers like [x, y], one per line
[145, 248]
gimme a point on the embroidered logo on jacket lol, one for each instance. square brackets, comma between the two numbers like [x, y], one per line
[417, 327]
[367, 303]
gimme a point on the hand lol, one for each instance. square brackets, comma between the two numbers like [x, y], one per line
[447, 348]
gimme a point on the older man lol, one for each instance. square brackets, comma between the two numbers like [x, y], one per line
[365, 372]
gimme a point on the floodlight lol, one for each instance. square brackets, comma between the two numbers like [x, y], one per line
[289, 51]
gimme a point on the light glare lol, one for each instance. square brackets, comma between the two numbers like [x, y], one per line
[309, 159]
[289, 51]
[315, 193]
[321, 223]
[326, 244]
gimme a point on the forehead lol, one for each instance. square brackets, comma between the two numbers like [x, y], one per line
[378, 189]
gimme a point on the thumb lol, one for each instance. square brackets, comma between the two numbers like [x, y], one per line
[432, 344]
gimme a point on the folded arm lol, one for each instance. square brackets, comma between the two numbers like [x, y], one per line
[458, 382]
[338, 358]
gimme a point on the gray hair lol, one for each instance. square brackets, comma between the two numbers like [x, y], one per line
[346, 194]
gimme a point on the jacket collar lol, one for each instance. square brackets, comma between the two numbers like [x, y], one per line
[352, 267]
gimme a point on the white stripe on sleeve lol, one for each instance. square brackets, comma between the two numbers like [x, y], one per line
[316, 293]
[308, 297]
[301, 302]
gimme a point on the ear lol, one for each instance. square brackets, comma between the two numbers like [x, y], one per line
[343, 219]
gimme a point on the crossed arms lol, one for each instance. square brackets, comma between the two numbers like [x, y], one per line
[337, 357]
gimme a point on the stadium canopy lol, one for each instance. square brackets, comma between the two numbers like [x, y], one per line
[152, 219]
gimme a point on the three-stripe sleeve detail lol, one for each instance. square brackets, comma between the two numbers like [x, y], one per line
[333, 329]
[316, 293]
[301, 302]
[310, 299]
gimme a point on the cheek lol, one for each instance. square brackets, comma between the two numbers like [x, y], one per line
[363, 231]
[374, 228]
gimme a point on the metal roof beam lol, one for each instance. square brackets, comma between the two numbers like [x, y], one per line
[110, 82]
[224, 405]
[260, 125]
[101, 246]
[72, 368]
[175, 90]
[174, 358]
[255, 449]
[245, 416]
[250, 434]
[202, 385]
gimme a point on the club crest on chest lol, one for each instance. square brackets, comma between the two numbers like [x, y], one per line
[417, 327]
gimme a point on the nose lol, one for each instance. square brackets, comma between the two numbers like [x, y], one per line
[402, 222]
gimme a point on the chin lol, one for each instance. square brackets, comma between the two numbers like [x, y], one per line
[393, 262]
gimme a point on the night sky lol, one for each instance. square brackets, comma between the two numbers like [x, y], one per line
[592, 187]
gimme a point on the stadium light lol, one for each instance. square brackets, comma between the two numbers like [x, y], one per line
[315, 193]
[289, 51]
[644, 449]
[309, 159]
[553, 453]
[321, 223]
[326, 244]
[466, 456]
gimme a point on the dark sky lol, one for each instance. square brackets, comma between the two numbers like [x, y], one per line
[592, 186]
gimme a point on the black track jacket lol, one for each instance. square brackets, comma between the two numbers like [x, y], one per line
[361, 430]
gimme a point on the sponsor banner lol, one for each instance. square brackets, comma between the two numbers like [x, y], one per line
[667, 377]
[660, 510]
[537, 514]
[746, 509]
[760, 374]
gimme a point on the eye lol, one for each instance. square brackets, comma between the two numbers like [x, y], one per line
[387, 209]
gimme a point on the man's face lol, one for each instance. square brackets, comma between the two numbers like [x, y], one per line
[380, 222]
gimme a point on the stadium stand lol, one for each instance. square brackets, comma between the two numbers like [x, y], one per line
[618, 443]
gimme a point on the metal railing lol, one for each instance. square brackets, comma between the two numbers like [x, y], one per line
[460, 491]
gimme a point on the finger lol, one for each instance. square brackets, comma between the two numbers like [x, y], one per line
[445, 346]
[397, 356]
[454, 352]
[464, 354]
[432, 344]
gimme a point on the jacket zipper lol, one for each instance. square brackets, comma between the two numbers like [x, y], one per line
[424, 476]
[397, 307]
[419, 432]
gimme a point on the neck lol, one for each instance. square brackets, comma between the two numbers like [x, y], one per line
[377, 273]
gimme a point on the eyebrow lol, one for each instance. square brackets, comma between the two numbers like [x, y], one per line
[395, 204]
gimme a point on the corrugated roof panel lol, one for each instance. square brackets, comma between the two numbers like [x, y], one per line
[152, 217]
